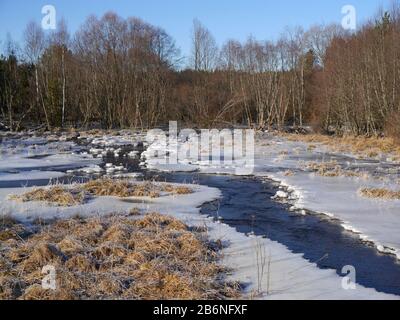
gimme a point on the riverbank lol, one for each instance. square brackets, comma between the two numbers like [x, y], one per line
[284, 275]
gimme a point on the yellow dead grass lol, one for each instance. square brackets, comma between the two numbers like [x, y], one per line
[63, 196]
[9, 229]
[380, 193]
[288, 173]
[57, 195]
[332, 169]
[179, 190]
[121, 188]
[115, 257]
[361, 145]
[134, 212]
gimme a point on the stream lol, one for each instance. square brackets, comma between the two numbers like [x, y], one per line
[246, 205]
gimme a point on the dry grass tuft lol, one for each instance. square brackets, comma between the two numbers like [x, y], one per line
[7, 221]
[6, 228]
[114, 257]
[363, 146]
[36, 292]
[156, 220]
[146, 189]
[311, 147]
[66, 197]
[380, 193]
[109, 187]
[332, 169]
[288, 173]
[134, 212]
[177, 189]
[325, 169]
[10, 229]
[56, 195]
[125, 188]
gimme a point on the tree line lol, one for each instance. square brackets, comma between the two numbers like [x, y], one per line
[126, 73]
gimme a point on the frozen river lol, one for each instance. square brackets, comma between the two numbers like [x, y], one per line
[245, 204]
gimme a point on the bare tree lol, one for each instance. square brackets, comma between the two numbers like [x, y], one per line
[61, 39]
[204, 48]
[319, 37]
[34, 47]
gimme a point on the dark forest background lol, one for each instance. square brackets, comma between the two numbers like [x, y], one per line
[126, 73]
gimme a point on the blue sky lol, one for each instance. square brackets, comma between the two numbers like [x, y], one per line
[263, 19]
